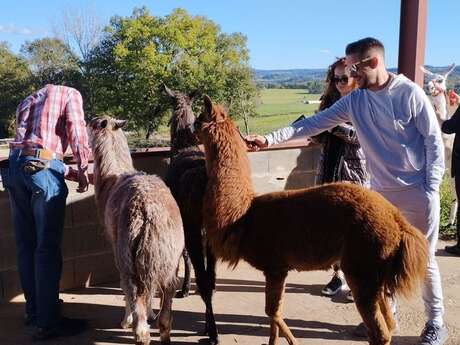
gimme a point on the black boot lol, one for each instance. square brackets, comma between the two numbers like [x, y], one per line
[454, 250]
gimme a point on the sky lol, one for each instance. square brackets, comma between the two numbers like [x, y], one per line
[281, 34]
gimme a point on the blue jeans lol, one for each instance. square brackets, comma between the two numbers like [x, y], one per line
[38, 200]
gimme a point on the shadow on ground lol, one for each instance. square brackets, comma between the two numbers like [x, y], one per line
[105, 320]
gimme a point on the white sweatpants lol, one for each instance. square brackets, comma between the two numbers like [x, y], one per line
[422, 210]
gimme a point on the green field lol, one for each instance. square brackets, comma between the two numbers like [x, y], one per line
[278, 108]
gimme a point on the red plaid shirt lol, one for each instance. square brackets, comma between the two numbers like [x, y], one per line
[52, 118]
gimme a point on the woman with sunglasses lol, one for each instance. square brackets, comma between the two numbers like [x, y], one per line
[342, 158]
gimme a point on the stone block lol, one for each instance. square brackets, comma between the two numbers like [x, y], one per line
[95, 269]
[83, 209]
[6, 222]
[157, 165]
[88, 239]
[11, 284]
[8, 253]
[68, 275]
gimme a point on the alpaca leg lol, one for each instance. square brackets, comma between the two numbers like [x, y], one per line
[165, 316]
[386, 312]
[367, 301]
[210, 287]
[129, 302]
[141, 327]
[274, 294]
[128, 319]
[150, 314]
[204, 283]
[184, 292]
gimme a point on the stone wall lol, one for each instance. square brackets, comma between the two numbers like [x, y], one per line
[87, 255]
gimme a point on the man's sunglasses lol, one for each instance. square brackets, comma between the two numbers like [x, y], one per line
[356, 66]
[342, 80]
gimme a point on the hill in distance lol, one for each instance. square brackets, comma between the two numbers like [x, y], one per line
[289, 77]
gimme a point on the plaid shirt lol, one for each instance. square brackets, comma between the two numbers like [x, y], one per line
[52, 118]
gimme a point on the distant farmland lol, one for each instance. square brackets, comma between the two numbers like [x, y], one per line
[278, 108]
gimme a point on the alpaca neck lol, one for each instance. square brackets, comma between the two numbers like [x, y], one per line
[230, 185]
[111, 159]
[183, 139]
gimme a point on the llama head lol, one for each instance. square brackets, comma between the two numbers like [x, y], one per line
[212, 113]
[102, 127]
[182, 118]
[214, 121]
[437, 83]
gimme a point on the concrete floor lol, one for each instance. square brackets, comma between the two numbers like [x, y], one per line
[239, 309]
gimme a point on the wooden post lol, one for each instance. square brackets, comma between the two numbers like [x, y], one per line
[412, 39]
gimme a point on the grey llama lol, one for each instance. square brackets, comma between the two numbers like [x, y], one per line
[142, 223]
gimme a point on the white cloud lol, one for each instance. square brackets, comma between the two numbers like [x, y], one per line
[325, 51]
[13, 29]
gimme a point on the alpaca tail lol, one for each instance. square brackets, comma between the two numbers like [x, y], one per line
[410, 263]
[135, 258]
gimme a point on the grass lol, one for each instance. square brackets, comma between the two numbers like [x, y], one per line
[278, 108]
[446, 232]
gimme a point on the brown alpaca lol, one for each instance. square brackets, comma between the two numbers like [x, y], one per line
[307, 229]
[143, 224]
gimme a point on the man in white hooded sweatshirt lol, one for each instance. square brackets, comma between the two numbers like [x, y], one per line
[398, 131]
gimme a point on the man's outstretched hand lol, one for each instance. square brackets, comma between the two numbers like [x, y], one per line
[80, 176]
[255, 142]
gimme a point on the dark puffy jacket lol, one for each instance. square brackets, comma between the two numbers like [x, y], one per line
[342, 158]
[452, 126]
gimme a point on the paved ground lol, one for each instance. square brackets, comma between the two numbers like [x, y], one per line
[239, 308]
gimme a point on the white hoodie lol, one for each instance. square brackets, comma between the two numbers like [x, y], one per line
[396, 127]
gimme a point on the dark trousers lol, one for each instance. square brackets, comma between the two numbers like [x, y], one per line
[38, 195]
[457, 191]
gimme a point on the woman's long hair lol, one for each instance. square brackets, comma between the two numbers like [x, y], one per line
[331, 94]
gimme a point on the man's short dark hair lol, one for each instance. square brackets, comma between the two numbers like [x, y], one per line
[363, 45]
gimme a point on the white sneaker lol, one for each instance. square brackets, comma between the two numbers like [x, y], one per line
[335, 285]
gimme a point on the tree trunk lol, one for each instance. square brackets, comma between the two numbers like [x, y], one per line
[246, 123]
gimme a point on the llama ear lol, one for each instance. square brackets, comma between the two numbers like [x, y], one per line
[207, 105]
[103, 124]
[449, 70]
[119, 124]
[168, 91]
[424, 70]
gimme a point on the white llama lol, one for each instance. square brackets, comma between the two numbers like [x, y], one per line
[437, 92]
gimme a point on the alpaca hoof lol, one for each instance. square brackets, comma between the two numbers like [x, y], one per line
[126, 324]
[182, 294]
[143, 338]
[165, 342]
[213, 341]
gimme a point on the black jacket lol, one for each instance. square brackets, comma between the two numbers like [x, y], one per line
[452, 126]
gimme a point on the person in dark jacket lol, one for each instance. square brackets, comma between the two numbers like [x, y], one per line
[452, 126]
[342, 158]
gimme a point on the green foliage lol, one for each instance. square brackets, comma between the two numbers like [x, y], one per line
[446, 231]
[14, 86]
[186, 52]
[51, 62]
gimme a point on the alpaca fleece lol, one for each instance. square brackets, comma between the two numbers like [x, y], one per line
[307, 229]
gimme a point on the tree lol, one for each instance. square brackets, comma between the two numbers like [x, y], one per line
[51, 61]
[186, 52]
[14, 86]
[241, 94]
